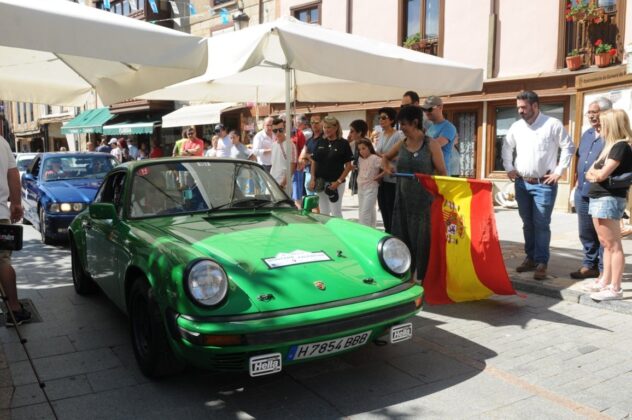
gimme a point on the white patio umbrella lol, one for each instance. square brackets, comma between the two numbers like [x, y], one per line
[326, 66]
[288, 60]
[57, 52]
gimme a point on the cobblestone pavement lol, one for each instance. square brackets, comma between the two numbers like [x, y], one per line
[506, 357]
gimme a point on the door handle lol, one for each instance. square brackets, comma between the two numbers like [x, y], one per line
[86, 225]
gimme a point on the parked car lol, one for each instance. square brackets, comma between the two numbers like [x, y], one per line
[57, 186]
[216, 267]
[23, 161]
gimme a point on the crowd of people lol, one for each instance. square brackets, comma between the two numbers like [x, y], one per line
[417, 139]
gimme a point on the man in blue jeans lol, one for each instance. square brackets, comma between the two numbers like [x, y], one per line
[590, 147]
[537, 140]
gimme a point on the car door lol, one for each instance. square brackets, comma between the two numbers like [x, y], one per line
[31, 191]
[100, 246]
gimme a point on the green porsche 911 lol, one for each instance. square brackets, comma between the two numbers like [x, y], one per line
[217, 268]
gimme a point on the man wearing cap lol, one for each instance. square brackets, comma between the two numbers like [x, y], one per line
[262, 144]
[537, 140]
[440, 129]
[225, 143]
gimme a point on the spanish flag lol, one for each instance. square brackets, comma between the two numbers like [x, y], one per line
[465, 258]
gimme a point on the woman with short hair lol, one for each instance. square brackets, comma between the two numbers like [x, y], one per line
[387, 138]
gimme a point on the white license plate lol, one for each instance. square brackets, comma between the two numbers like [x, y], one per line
[265, 364]
[322, 348]
[401, 332]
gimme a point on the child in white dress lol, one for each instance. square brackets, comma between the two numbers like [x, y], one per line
[369, 174]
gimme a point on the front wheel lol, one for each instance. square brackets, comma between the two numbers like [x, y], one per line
[84, 285]
[149, 336]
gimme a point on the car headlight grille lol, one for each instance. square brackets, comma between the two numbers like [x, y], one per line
[66, 207]
[206, 282]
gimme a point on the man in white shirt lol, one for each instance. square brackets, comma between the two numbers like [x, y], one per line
[537, 139]
[10, 191]
[262, 144]
[279, 159]
[224, 143]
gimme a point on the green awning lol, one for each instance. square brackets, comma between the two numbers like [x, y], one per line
[90, 121]
[145, 127]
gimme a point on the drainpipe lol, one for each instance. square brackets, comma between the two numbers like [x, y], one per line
[491, 38]
[349, 16]
[260, 12]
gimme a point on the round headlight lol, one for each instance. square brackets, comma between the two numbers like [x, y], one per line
[66, 207]
[395, 255]
[207, 283]
[54, 208]
[77, 206]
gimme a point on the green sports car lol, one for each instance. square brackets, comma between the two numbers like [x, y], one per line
[217, 268]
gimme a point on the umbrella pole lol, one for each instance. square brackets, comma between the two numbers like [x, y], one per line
[288, 128]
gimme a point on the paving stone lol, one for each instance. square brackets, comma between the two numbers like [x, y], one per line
[71, 386]
[76, 363]
[33, 412]
[27, 395]
[38, 348]
[22, 373]
[6, 392]
[117, 377]
[88, 340]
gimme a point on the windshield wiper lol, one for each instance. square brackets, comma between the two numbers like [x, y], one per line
[276, 203]
[239, 203]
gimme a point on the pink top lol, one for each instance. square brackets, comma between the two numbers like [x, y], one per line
[192, 144]
[368, 169]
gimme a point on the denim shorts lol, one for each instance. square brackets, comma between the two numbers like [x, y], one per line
[607, 207]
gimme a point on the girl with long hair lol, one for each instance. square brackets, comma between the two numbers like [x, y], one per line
[607, 204]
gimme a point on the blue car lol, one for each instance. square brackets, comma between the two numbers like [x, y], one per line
[57, 186]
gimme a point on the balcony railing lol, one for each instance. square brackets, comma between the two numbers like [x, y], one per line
[426, 46]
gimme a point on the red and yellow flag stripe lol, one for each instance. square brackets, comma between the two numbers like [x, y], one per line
[466, 262]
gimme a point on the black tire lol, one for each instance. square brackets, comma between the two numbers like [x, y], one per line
[84, 285]
[149, 335]
[45, 239]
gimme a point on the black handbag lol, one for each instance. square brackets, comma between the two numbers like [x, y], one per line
[620, 181]
[10, 237]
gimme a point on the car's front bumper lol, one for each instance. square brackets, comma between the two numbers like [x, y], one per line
[56, 224]
[278, 334]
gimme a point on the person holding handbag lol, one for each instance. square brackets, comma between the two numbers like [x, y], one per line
[607, 203]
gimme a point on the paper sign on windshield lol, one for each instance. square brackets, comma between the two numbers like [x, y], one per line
[294, 258]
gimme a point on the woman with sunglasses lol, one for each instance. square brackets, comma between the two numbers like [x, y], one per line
[331, 163]
[357, 131]
[388, 138]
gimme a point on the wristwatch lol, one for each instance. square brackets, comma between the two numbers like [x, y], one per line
[341, 181]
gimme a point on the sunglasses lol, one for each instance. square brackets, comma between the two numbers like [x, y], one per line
[314, 122]
[190, 134]
[278, 130]
[429, 109]
[384, 117]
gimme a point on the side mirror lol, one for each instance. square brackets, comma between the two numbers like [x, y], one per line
[28, 177]
[310, 202]
[102, 211]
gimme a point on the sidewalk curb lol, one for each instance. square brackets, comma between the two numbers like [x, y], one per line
[541, 288]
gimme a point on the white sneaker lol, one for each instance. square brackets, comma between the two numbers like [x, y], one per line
[607, 294]
[596, 285]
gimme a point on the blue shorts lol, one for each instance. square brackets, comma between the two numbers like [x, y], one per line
[607, 207]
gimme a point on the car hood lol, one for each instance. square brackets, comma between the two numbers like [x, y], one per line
[72, 190]
[249, 246]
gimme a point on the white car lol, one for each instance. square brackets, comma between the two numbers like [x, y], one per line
[23, 161]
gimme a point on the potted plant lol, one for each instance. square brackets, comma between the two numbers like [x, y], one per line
[603, 53]
[574, 60]
[412, 41]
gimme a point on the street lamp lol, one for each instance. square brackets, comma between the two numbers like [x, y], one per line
[240, 18]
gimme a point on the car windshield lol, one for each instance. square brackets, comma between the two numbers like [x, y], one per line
[202, 186]
[24, 162]
[76, 167]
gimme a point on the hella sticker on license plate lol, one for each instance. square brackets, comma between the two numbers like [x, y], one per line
[265, 364]
[401, 332]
